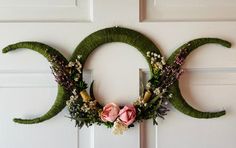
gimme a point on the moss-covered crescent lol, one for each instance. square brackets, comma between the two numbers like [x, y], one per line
[48, 52]
[178, 101]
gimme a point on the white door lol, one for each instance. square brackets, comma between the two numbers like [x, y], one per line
[27, 87]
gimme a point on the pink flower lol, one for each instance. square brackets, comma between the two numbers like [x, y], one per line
[110, 112]
[127, 114]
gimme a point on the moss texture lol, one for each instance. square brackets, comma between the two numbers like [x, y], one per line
[48, 52]
[114, 34]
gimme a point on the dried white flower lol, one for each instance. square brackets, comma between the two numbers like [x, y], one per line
[92, 104]
[139, 102]
[79, 56]
[148, 85]
[78, 64]
[166, 102]
[157, 91]
[71, 64]
[119, 127]
[85, 108]
[71, 100]
[153, 59]
[74, 92]
[170, 95]
[76, 79]
[68, 102]
[73, 97]
[79, 70]
[160, 66]
[163, 61]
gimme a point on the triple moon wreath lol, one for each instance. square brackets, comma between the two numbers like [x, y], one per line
[82, 105]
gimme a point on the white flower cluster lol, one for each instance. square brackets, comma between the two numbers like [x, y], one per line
[87, 106]
[156, 91]
[78, 67]
[140, 102]
[148, 85]
[73, 98]
[119, 127]
[157, 61]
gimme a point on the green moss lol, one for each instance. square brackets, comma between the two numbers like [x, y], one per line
[178, 101]
[48, 52]
[114, 34]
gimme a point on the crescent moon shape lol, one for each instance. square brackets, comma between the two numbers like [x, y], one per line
[114, 34]
[178, 100]
[62, 94]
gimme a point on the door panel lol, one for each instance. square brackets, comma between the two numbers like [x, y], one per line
[27, 102]
[187, 10]
[45, 10]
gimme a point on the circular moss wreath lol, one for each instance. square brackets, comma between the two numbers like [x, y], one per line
[86, 110]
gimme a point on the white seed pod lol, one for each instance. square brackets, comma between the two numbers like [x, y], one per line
[157, 91]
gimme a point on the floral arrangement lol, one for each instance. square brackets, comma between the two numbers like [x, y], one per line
[86, 110]
[83, 107]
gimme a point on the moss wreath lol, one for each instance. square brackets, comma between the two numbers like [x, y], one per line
[85, 109]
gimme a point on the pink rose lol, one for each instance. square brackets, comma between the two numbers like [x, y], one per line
[110, 112]
[127, 114]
